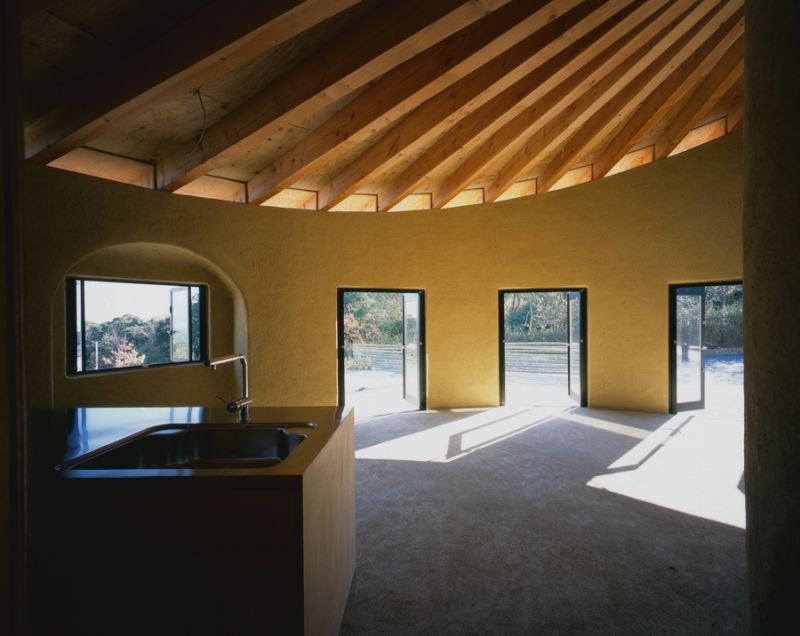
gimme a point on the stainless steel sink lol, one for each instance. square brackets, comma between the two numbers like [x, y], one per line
[196, 446]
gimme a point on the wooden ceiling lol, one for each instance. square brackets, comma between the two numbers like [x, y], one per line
[375, 105]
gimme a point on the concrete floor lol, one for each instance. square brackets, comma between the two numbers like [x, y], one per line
[549, 520]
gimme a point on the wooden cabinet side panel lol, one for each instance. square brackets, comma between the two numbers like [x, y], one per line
[329, 544]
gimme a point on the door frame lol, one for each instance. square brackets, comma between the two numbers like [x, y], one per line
[672, 334]
[501, 320]
[423, 368]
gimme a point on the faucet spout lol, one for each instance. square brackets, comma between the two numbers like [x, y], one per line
[242, 405]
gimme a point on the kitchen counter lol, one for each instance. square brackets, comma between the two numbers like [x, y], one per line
[191, 551]
[61, 435]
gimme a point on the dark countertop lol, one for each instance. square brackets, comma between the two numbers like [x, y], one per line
[60, 435]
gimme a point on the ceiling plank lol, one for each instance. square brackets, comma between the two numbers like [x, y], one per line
[721, 54]
[728, 71]
[217, 39]
[472, 91]
[406, 86]
[387, 36]
[588, 77]
[593, 116]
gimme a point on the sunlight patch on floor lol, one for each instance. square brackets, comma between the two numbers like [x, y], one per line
[453, 440]
[693, 464]
[605, 425]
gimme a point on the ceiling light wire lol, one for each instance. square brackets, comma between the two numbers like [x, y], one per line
[202, 134]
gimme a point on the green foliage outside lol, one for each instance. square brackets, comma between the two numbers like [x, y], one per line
[130, 341]
[723, 327]
[535, 316]
[126, 341]
[195, 323]
[373, 318]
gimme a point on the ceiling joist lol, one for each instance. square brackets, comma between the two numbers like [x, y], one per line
[220, 37]
[611, 100]
[726, 73]
[470, 93]
[376, 105]
[387, 36]
[579, 73]
[407, 86]
[684, 56]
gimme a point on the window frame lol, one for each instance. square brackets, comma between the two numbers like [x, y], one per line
[73, 328]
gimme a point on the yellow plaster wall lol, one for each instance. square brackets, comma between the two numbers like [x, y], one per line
[150, 262]
[624, 238]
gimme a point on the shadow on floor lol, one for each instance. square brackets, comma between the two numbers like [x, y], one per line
[509, 538]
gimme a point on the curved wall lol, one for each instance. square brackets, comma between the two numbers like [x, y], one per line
[625, 238]
[159, 385]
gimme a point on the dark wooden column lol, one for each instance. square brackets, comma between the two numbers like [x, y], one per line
[12, 559]
[772, 319]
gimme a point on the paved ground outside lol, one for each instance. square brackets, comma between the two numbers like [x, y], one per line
[374, 392]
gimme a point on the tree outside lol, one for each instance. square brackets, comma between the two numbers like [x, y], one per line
[131, 341]
[535, 316]
[373, 318]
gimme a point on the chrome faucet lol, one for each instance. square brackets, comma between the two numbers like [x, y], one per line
[242, 405]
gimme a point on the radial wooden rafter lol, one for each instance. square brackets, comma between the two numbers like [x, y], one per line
[553, 149]
[388, 36]
[356, 100]
[728, 70]
[583, 76]
[223, 35]
[541, 52]
[725, 50]
[405, 87]
[632, 94]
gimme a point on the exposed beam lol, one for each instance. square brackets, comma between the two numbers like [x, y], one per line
[624, 102]
[612, 99]
[724, 51]
[387, 36]
[410, 84]
[728, 71]
[216, 40]
[472, 91]
[595, 69]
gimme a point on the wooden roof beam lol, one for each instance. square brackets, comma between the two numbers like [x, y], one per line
[472, 91]
[725, 49]
[587, 81]
[728, 71]
[612, 99]
[412, 83]
[217, 39]
[576, 58]
[387, 36]
[630, 96]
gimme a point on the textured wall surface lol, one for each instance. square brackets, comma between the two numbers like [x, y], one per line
[179, 385]
[624, 238]
[772, 339]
